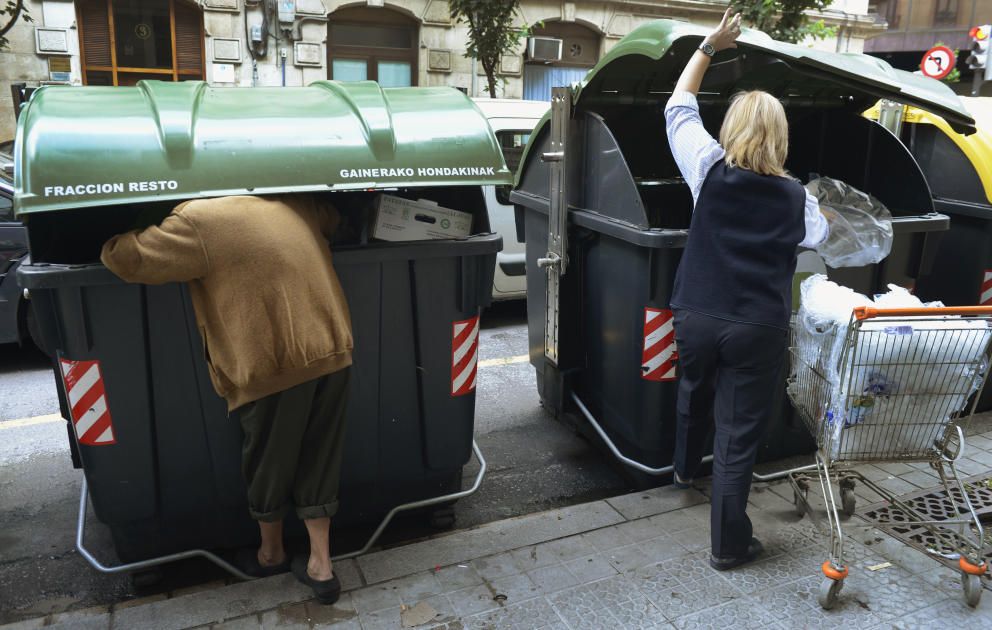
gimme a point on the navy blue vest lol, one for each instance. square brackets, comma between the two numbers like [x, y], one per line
[743, 243]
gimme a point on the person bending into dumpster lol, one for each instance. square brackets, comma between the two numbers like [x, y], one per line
[277, 339]
[732, 297]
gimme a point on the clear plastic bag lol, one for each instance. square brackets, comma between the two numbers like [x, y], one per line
[860, 225]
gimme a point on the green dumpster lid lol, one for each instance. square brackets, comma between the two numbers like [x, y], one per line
[95, 146]
[650, 59]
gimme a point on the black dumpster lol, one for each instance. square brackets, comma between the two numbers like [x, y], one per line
[162, 460]
[604, 213]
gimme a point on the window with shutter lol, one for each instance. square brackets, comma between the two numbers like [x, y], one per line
[125, 41]
[189, 40]
[94, 23]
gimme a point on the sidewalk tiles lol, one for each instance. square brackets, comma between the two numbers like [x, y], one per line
[635, 561]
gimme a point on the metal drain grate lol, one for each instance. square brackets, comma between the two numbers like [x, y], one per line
[934, 504]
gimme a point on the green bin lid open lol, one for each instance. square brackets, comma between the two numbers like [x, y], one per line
[95, 146]
[644, 66]
[650, 59]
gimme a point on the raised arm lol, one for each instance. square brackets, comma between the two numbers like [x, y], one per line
[694, 149]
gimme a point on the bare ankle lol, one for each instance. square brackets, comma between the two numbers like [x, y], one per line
[319, 569]
[270, 557]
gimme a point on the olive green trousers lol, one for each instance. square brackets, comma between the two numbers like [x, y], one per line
[294, 444]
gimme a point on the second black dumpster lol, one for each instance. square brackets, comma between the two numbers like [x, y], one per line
[160, 454]
[604, 212]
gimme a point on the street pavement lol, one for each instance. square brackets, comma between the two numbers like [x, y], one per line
[553, 539]
[637, 560]
[535, 464]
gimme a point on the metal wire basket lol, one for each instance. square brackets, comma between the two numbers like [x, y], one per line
[892, 385]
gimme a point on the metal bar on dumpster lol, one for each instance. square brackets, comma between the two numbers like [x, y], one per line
[143, 564]
[202, 553]
[665, 470]
[421, 504]
[890, 116]
[556, 261]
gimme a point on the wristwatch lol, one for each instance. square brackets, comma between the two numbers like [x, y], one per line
[707, 49]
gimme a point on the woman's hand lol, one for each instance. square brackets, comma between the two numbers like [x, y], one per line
[721, 39]
[726, 33]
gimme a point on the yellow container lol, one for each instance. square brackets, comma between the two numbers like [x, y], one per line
[977, 147]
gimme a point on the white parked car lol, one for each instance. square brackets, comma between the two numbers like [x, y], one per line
[512, 121]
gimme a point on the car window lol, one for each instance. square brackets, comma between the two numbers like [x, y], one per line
[512, 143]
[6, 208]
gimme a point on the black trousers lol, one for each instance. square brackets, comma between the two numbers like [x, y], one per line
[729, 372]
[293, 448]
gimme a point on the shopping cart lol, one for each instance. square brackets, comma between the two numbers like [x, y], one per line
[893, 385]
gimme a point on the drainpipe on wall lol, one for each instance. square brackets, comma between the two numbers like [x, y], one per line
[475, 79]
[840, 32]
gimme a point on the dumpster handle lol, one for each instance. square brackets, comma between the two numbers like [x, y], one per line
[202, 553]
[665, 470]
[143, 564]
[421, 504]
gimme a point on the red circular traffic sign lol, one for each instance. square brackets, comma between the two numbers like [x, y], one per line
[938, 62]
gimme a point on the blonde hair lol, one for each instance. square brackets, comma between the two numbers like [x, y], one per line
[755, 133]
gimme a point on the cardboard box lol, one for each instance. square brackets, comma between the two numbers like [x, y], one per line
[398, 219]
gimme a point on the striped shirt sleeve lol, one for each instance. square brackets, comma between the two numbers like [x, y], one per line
[694, 149]
[817, 228]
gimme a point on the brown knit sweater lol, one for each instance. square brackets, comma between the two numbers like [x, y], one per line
[268, 302]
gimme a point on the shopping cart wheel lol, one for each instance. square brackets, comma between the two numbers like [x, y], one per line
[972, 586]
[829, 590]
[848, 501]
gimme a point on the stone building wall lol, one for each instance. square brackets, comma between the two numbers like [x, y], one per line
[48, 50]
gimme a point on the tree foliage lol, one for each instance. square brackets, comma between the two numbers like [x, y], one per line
[955, 75]
[491, 32]
[9, 14]
[785, 20]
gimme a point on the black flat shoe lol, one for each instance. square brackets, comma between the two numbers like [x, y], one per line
[326, 591]
[247, 561]
[754, 549]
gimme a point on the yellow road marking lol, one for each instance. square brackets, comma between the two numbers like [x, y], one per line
[27, 422]
[54, 417]
[520, 358]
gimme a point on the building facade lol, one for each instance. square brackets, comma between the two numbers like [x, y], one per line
[241, 43]
[915, 26]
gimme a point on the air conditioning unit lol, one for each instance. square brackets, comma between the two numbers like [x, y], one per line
[544, 48]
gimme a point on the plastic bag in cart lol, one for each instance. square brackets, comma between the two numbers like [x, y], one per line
[860, 225]
[902, 382]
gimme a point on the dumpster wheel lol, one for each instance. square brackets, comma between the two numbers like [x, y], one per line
[147, 578]
[443, 517]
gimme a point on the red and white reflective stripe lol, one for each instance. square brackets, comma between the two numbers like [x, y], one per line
[658, 363]
[986, 296]
[87, 402]
[464, 356]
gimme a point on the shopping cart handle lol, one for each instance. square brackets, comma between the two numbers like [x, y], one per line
[867, 312]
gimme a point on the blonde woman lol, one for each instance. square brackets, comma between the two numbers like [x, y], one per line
[733, 290]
